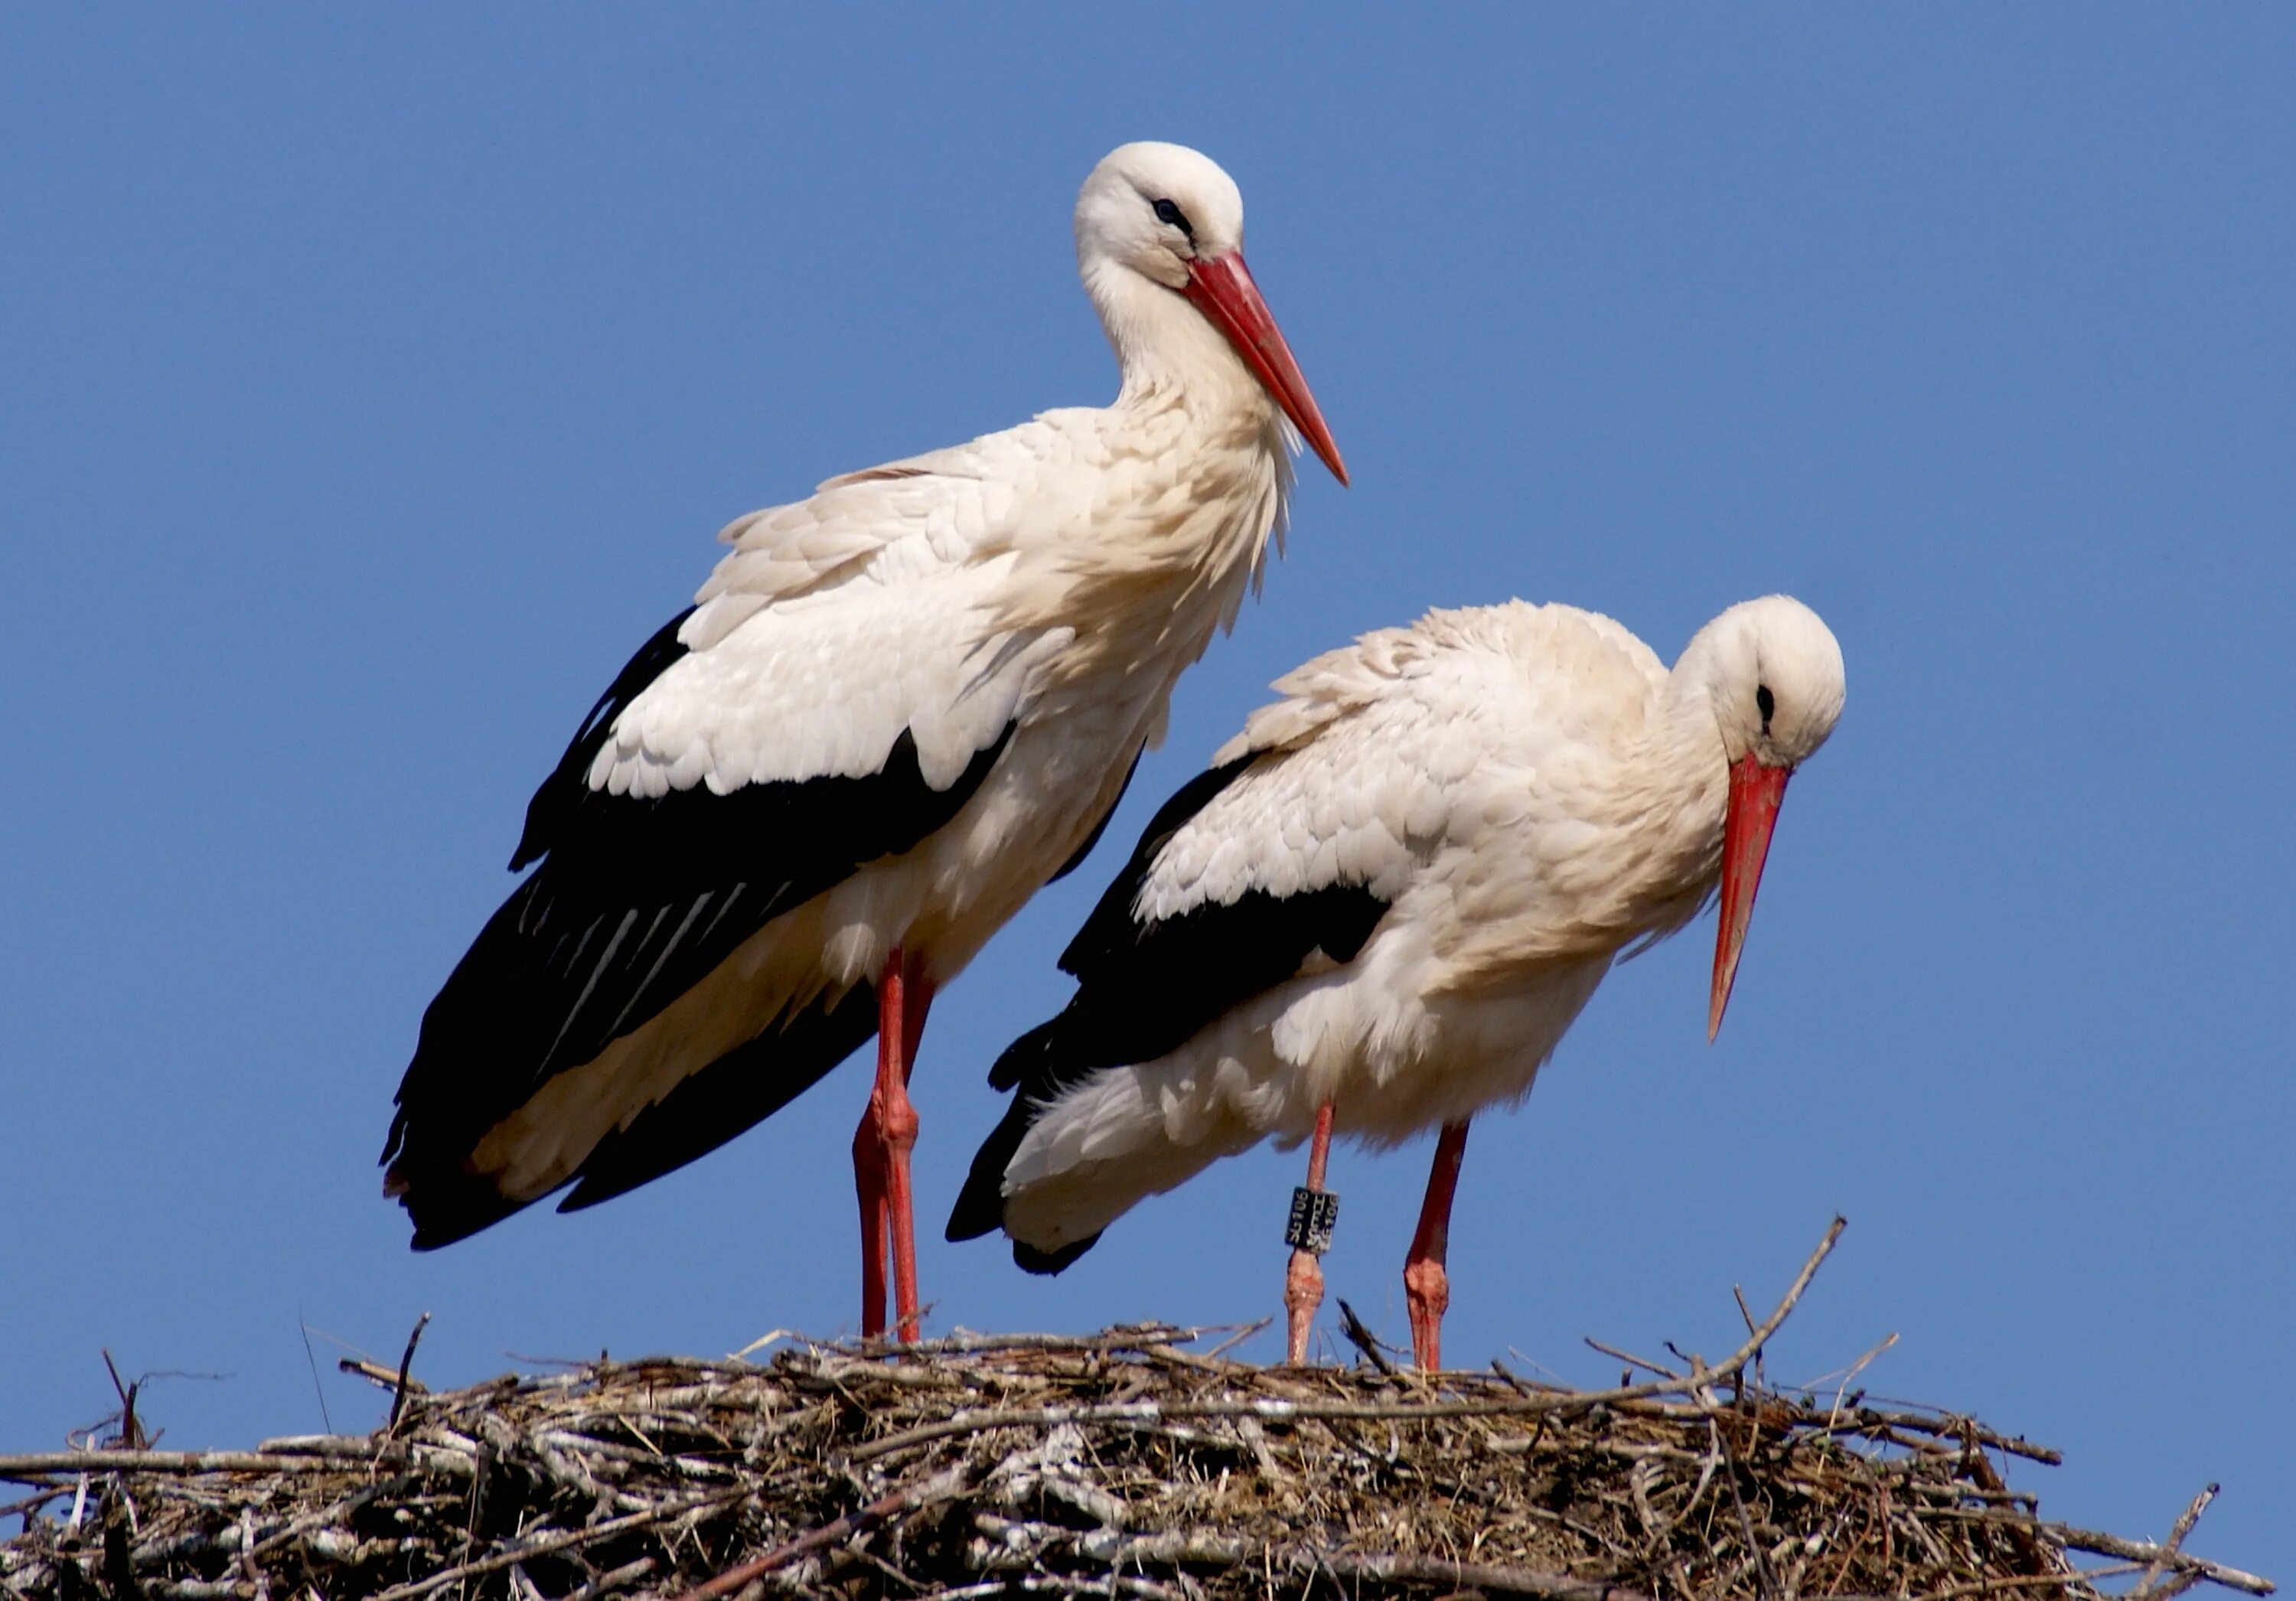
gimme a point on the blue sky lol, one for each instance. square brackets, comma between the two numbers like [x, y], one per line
[372, 381]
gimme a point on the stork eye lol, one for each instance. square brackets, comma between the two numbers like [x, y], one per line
[1172, 215]
[1766, 704]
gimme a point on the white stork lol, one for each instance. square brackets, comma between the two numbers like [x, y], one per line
[894, 711]
[1385, 903]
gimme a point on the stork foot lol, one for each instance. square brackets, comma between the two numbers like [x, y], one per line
[1427, 1290]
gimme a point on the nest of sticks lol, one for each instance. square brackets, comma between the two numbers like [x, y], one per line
[1117, 1465]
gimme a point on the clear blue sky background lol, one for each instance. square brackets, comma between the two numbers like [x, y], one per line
[371, 381]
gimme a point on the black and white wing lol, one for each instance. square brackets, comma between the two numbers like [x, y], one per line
[1280, 859]
[758, 751]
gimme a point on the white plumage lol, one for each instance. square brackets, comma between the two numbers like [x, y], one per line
[918, 694]
[1480, 812]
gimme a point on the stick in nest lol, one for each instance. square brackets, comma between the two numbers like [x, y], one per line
[405, 1363]
[1078, 1465]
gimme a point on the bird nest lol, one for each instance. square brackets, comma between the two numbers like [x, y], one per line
[1120, 1463]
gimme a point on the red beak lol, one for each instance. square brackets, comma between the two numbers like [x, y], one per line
[1755, 793]
[1222, 289]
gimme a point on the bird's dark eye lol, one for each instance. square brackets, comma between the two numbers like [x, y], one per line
[1766, 704]
[1172, 215]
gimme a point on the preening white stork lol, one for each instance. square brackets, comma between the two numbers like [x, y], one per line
[894, 711]
[1387, 900]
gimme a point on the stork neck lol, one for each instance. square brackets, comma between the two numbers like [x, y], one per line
[1168, 353]
[1692, 731]
[1693, 760]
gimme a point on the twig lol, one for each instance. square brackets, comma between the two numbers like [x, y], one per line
[1058, 1584]
[1363, 1339]
[761, 1342]
[1851, 1377]
[551, 1544]
[607, 1582]
[2191, 1515]
[2017, 1582]
[376, 1373]
[405, 1362]
[1172, 1547]
[1746, 1313]
[130, 1436]
[248, 1569]
[2145, 1587]
[1753, 1349]
[1760, 1557]
[940, 1487]
[1123, 1336]
[1236, 1339]
[859, 1551]
[1464, 1576]
[1267, 1408]
[335, 1513]
[2099, 1544]
[1979, 1468]
[34, 1467]
[1961, 1430]
[1632, 1360]
[2138, 1550]
[972, 1421]
[1507, 1376]
[317, 1389]
[32, 1503]
[1656, 1528]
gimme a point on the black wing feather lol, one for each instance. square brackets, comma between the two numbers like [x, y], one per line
[1108, 932]
[569, 780]
[734, 1094]
[1144, 989]
[636, 901]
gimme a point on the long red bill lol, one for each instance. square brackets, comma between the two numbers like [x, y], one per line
[1222, 289]
[1755, 793]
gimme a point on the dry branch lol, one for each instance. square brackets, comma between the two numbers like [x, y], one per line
[1116, 1464]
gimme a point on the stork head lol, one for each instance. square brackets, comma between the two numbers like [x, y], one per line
[1158, 221]
[1772, 673]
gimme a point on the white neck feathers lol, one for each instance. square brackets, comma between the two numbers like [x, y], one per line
[1167, 350]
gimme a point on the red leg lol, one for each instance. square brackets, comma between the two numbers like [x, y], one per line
[1426, 1285]
[869, 1183]
[914, 1000]
[1303, 1282]
[881, 1147]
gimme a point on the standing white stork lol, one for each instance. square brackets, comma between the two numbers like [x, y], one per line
[1385, 903]
[894, 711]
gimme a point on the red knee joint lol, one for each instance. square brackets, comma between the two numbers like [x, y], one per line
[1429, 1285]
[897, 1126]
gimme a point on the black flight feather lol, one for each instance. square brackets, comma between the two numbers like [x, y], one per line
[734, 1094]
[1145, 989]
[636, 901]
[569, 780]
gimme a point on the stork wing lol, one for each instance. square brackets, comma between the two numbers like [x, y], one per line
[1273, 861]
[707, 793]
[1293, 844]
